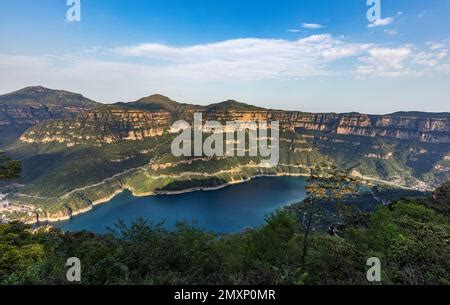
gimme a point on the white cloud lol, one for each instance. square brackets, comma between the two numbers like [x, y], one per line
[381, 22]
[445, 68]
[250, 58]
[385, 62]
[384, 21]
[294, 30]
[430, 59]
[436, 45]
[139, 69]
[391, 32]
[312, 26]
[401, 61]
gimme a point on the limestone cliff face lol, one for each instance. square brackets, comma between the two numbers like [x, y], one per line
[424, 127]
[112, 124]
[103, 125]
[31, 115]
[153, 115]
[30, 106]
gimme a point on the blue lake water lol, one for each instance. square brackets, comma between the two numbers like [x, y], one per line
[227, 210]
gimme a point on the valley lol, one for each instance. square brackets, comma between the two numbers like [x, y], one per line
[77, 153]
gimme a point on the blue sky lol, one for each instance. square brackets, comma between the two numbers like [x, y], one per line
[309, 55]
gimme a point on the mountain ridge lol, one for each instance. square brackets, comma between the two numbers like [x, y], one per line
[74, 150]
[158, 98]
[30, 112]
[42, 96]
[21, 109]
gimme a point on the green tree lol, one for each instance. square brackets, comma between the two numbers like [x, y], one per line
[9, 169]
[326, 183]
[412, 242]
[20, 256]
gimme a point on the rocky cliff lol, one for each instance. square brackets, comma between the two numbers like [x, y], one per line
[107, 124]
[22, 109]
[139, 120]
[424, 127]
[108, 148]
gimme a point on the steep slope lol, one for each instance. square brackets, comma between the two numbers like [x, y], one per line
[105, 124]
[440, 200]
[422, 127]
[24, 108]
[72, 163]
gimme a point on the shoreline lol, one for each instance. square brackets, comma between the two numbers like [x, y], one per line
[49, 220]
[105, 200]
[214, 188]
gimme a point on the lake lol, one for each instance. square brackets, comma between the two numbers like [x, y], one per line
[227, 210]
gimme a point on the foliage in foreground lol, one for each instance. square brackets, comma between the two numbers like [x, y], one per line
[409, 236]
[9, 169]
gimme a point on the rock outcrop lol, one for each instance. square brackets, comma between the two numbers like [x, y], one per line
[140, 123]
[102, 125]
[30, 106]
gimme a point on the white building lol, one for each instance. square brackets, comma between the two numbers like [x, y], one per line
[4, 203]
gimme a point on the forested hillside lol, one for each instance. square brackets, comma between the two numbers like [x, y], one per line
[410, 236]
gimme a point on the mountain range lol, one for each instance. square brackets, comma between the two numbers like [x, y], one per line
[77, 152]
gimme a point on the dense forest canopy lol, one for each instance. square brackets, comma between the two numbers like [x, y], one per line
[9, 169]
[410, 237]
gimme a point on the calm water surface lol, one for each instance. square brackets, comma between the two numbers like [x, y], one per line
[226, 210]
